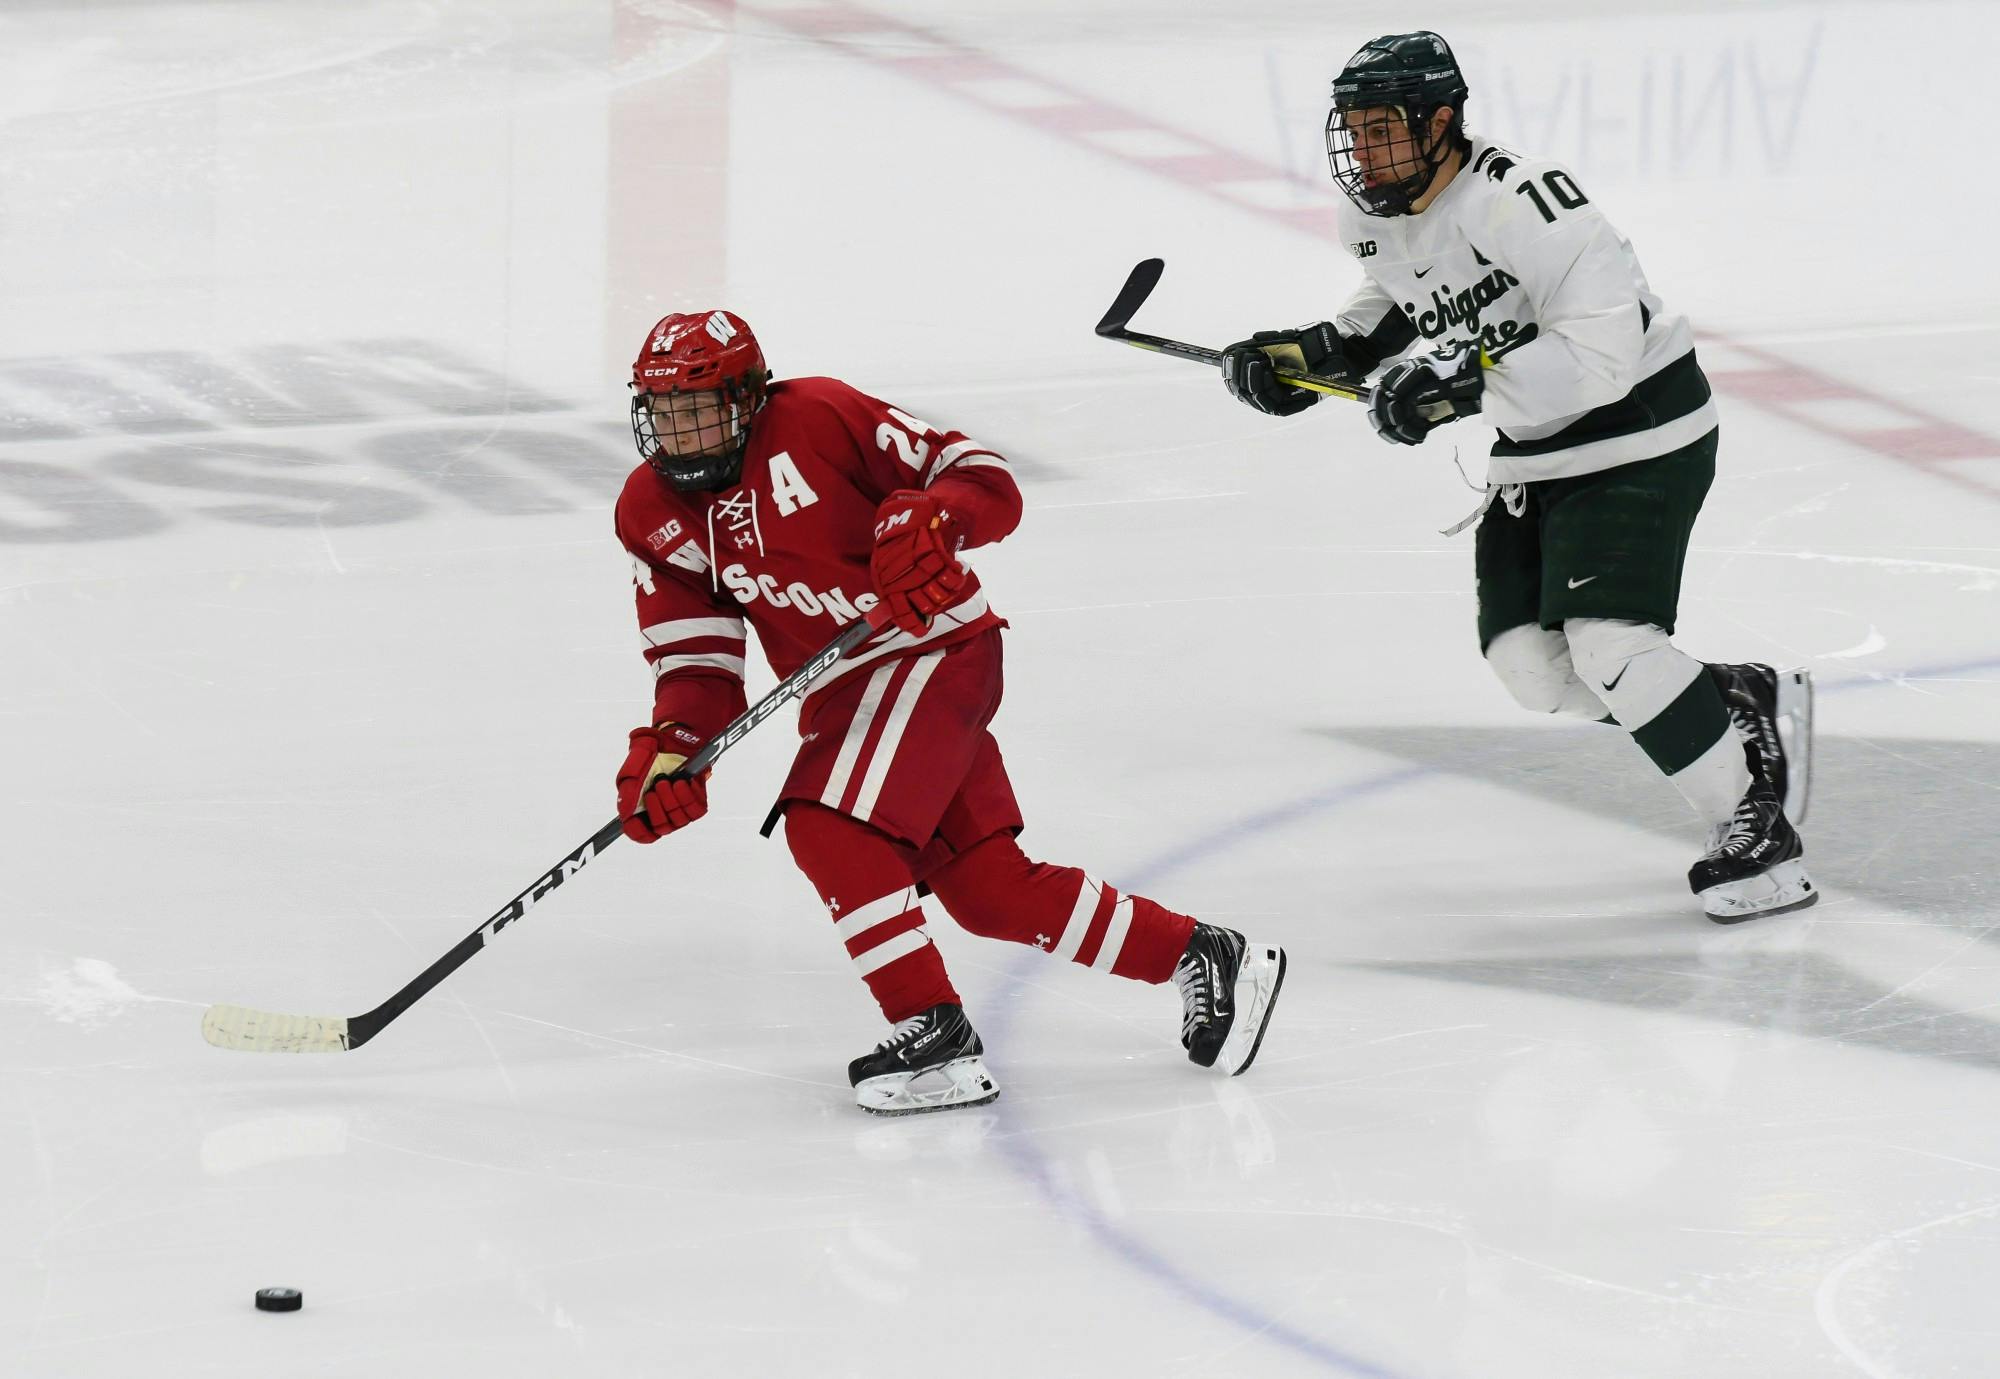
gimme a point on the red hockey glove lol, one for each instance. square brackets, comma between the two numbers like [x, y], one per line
[915, 563]
[650, 800]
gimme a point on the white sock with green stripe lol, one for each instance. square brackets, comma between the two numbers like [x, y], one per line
[1666, 700]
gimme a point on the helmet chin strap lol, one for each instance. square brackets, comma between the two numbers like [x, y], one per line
[713, 471]
[1412, 188]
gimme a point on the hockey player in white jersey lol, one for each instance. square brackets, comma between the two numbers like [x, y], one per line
[1494, 286]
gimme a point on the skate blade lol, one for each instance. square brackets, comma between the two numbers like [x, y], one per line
[1263, 971]
[961, 1082]
[1795, 734]
[1783, 888]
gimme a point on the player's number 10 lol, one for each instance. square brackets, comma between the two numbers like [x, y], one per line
[1561, 186]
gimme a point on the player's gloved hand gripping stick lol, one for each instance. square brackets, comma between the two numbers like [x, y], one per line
[1139, 286]
[262, 1031]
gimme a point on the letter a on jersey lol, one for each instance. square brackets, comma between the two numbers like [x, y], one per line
[789, 489]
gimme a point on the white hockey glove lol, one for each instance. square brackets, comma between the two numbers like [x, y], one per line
[1420, 393]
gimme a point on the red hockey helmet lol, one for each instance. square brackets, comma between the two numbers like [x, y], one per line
[698, 382]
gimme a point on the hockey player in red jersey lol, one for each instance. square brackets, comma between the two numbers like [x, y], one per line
[793, 508]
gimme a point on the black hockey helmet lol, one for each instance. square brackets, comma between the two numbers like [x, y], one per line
[1417, 75]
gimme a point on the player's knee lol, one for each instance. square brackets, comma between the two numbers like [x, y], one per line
[975, 886]
[811, 832]
[1534, 665]
[1602, 648]
[826, 843]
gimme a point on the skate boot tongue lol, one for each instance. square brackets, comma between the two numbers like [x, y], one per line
[1228, 986]
[1773, 714]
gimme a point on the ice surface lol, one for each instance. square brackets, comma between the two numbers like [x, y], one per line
[317, 647]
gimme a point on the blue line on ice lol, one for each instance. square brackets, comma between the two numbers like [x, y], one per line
[1031, 1161]
[1025, 1155]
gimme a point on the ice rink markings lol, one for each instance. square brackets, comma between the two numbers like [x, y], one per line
[1023, 1151]
[1826, 1298]
[1880, 424]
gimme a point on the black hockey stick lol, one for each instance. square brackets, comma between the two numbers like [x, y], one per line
[261, 1031]
[1139, 286]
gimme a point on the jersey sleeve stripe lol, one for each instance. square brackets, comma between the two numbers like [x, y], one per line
[707, 660]
[683, 629]
[959, 452]
[690, 646]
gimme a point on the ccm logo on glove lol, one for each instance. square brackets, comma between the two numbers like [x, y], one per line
[652, 801]
[915, 560]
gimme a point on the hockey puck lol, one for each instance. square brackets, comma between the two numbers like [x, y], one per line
[280, 1299]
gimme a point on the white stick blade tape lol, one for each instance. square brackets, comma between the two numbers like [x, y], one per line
[261, 1031]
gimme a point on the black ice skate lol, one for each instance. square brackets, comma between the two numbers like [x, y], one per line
[930, 1062]
[1752, 866]
[1229, 988]
[1773, 711]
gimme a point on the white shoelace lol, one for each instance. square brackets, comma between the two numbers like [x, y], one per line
[1194, 995]
[1742, 829]
[904, 1031]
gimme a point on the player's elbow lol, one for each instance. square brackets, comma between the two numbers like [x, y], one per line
[1004, 516]
[1608, 364]
[987, 500]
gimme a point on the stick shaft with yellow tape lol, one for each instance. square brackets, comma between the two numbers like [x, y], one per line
[1145, 276]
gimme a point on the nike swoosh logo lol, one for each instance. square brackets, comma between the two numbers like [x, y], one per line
[1422, 271]
[1616, 678]
[1579, 583]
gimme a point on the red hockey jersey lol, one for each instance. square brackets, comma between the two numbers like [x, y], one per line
[787, 547]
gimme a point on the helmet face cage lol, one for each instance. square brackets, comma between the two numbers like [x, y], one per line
[683, 463]
[1399, 82]
[1411, 151]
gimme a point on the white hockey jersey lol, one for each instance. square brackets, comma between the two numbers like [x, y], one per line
[1590, 369]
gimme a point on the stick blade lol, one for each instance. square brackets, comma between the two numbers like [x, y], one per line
[262, 1031]
[1145, 276]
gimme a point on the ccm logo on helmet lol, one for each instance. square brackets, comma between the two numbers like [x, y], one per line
[748, 588]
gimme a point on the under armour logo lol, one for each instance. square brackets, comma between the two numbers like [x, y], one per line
[832, 906]
[745, 539]
[1042, 941]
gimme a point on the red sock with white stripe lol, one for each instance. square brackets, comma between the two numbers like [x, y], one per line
[996, 891]
[863, 876]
